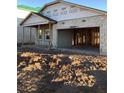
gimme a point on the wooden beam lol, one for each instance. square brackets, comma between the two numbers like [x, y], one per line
[74, 37]
[30, 35]
[38, 34]
[50, 40]
[23, 35]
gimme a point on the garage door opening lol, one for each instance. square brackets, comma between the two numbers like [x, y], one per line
[85, 39]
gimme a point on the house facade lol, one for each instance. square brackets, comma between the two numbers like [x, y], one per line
[62, 24]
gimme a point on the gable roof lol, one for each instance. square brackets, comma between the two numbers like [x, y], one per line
[40, 15]
[73, 4]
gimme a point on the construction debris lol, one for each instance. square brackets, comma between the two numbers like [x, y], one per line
[37, 71]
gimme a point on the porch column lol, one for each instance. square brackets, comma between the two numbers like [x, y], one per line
[36, 35]
[23, 35]
[74, 37]
[50, 40]
[38, 28]
[30, 35]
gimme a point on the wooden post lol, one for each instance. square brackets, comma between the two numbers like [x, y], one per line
[50, 40]
[74, 37]
[86, 34]
[23, 36]
[35, 35]
[38, 34]
[30, 35]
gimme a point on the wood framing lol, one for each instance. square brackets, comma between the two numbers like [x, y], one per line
[50, 40]
[23, 35]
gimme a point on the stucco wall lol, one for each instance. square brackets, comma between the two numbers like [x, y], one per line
[82, 22]
[54, 36]
[103, 37]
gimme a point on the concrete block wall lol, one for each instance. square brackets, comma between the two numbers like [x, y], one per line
[103, 37]
[54, 36]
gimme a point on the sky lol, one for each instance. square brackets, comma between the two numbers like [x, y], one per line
[98, 4]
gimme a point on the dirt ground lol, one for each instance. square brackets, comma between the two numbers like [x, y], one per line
[50, 71]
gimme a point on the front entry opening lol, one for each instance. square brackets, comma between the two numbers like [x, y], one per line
[89, 37]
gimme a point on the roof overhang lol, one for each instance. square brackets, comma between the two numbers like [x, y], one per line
[40, 19]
